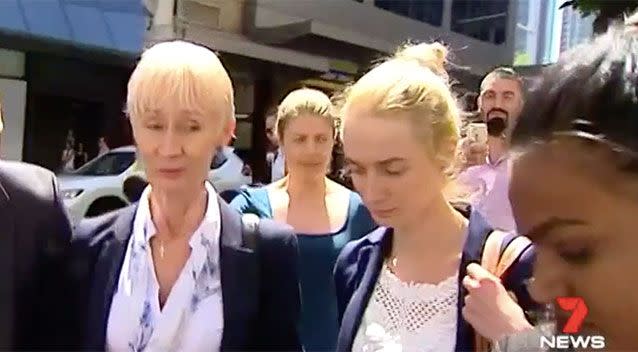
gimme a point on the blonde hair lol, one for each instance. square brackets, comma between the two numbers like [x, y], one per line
[179, 72]
[305, 101]
[414, 81]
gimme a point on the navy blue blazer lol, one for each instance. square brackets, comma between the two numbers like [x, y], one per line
[260, 289]
[360, 263]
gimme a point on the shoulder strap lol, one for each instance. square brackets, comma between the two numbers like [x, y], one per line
[492, 251]
[250, 230]
[511, 253]
[497, 260]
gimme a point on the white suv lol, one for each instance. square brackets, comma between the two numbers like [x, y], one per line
[96, 187]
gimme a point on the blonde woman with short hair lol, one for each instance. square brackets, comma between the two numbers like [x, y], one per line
[176, 271]
[324, 214]
[410, 284]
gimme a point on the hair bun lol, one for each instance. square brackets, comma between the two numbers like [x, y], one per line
[430, 55]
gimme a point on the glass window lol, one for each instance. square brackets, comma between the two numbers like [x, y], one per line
[109, 164]
[430, 11]
[485, 20]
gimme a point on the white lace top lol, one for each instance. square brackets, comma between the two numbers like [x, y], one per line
[406, 317]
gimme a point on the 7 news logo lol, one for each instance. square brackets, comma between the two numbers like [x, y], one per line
[570, 337]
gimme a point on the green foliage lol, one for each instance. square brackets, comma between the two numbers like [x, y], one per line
[607, 8]
[522, 58]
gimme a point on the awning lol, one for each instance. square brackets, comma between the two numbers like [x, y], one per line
[284, 33]
[269, 22]
[115, 25]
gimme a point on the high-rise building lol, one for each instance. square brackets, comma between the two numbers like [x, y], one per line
[535, 38]
[576, 29]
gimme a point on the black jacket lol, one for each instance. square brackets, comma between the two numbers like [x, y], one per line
[260, 288]
[36, 310]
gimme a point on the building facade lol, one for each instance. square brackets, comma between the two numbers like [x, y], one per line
[273, 46]
[64, 65]
[536, 36]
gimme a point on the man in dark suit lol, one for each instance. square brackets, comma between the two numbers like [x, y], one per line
[35, 301]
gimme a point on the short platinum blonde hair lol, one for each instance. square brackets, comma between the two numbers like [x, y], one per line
[179, 72]
[413, 83]
[305, 101]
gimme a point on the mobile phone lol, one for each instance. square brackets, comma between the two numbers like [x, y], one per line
[477, 132]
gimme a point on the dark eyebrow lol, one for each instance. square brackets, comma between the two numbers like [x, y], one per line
[538, 231]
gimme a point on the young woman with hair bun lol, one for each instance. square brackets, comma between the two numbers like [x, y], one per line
[413, 284]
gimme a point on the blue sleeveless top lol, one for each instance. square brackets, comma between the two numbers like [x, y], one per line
[317, 256]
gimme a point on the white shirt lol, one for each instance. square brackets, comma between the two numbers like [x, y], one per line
[192, 317]
[404, 317]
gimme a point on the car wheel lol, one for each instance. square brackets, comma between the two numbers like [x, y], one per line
[104, 205]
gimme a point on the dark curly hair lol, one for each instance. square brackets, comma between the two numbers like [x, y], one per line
[591, 94]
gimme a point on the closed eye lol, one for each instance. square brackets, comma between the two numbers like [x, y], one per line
[394, 172]
[154, 126]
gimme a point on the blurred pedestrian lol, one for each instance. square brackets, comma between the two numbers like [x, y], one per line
[275, 158]
[102, 146]
[81, 157]
[68, 158]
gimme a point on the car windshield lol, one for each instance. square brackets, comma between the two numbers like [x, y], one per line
[109, 164]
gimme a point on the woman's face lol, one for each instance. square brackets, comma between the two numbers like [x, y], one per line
[177, 144]
[307, 142]
[581, 213]
[389, 167]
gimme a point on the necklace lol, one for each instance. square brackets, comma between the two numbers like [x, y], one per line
[392, 264]
[162, 250]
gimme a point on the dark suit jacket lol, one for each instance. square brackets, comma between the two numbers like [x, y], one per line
[35, 311]
[260, 290]
[360, 263]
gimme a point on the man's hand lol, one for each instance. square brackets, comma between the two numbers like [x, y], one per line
[489, 308]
